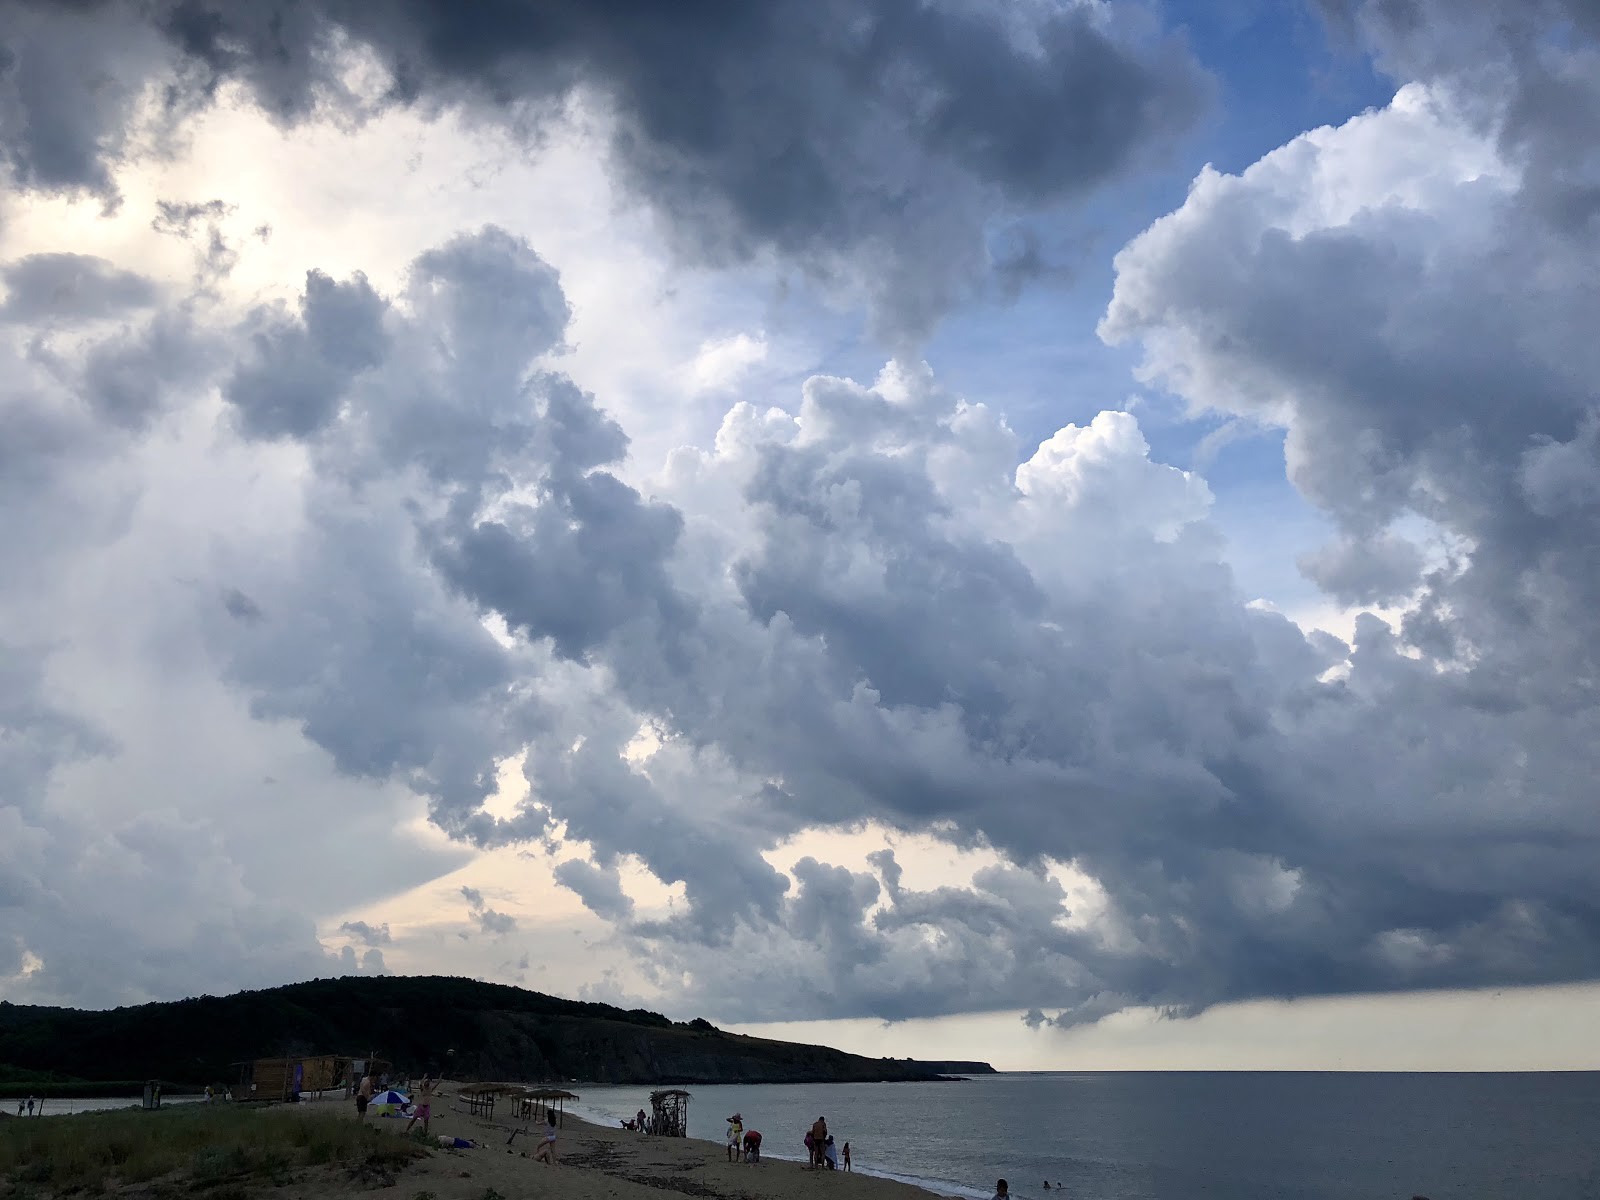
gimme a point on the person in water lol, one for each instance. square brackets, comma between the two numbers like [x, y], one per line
[1001, 1190]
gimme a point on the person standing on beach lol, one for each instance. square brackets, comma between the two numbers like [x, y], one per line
[424, 1111]
[847, 1156]
[546, 1153]
[819, 1139]
[363, 1097]
[30, 1106]
[735, 1135]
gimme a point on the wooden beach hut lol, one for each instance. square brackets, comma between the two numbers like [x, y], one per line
[670, 1107]
[307, 1074]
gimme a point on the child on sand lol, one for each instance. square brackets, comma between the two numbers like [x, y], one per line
[847, 1156]
[830, 1154]
[424, 1111]
[546, 1153]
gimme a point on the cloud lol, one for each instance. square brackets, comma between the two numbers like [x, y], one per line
[1047, 660]
[722, 362]
[599, 888]
[1380, 569]
[372, 935]
[302, 367]
[489, 921]
[71, 81]
[863, 602]
[1413, 319]
[240, 607]
[70, 288]
[867, 143]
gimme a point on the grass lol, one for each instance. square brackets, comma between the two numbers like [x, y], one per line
[219, 1152]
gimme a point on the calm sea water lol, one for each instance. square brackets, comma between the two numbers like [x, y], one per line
[1226, 1135]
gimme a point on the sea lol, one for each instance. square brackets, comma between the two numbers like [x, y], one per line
[1184, 1136]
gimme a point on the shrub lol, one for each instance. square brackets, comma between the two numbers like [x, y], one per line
[218, 1148]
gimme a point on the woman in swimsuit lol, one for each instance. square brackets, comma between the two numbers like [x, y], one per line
[546, 1153]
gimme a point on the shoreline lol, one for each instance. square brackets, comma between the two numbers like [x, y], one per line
[944, 1189]
[597, 1162]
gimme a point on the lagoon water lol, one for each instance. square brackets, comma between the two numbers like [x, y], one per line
[1188, 1136]
[83, 1104]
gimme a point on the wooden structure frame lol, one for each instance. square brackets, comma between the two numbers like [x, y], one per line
[536, 1102]
[527, 1103]
[670, 1107]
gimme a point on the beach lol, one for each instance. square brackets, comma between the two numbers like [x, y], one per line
[1118, 1136]
[596, 1163]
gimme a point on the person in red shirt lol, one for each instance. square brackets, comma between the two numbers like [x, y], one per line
[752, 1146]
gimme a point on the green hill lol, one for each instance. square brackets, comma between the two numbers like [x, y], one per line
[465, 1028]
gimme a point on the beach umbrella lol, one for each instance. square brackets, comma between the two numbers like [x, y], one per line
[389, 1104]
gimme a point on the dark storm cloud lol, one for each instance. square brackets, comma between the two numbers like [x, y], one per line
[70, 78]
[301, 368]
[1429, 350]
[66, 288]
[864, 610]
[433, 426]
[869, 142]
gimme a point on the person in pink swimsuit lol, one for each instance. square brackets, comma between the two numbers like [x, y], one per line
[424, 1105]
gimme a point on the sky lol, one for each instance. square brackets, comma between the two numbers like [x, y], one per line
[1060, 531]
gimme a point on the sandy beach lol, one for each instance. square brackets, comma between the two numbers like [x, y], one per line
[598, 1163]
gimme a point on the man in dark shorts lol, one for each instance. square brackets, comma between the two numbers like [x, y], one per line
[363, 1097]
